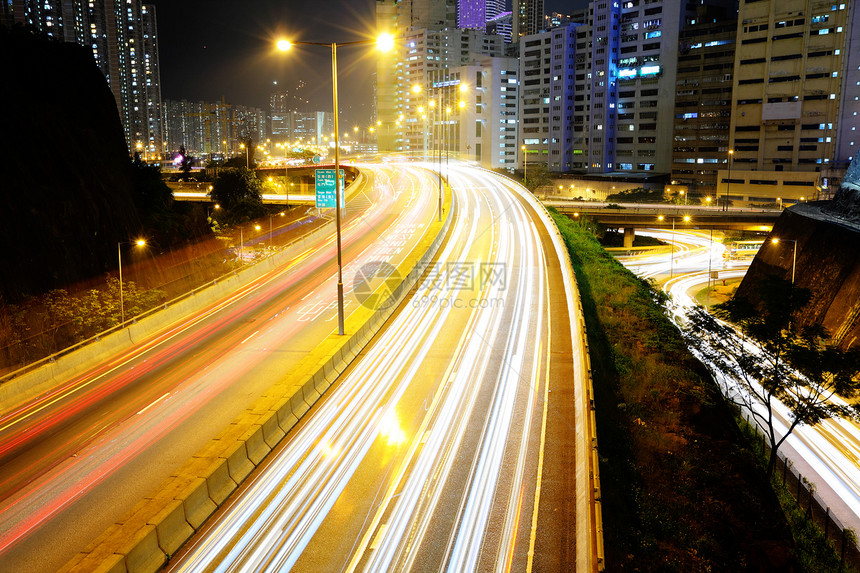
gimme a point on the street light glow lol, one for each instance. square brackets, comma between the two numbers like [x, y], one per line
[140, 242]
[385, 42]
[284, 45]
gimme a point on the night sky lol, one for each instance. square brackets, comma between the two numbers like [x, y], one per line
[214, 48]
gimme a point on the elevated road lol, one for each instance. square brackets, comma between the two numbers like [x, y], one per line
[639, 215]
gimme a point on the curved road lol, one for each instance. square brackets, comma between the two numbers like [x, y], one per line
[452, 443]
[828, 454]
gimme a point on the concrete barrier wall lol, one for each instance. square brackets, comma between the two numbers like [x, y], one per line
[53, 372]
[144, 540]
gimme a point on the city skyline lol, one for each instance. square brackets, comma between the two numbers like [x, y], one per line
[193, 30]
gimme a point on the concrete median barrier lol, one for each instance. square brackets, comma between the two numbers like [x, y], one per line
[134, 545]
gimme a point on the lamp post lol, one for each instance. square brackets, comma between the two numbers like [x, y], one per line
[444, 136]
[525, 167]
[776, 241]
[247, 160]
[384, 43]
[139, 243]
[729, 180]
[270, 227]
[686, 219]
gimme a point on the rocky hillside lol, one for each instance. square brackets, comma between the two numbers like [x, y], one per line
[65, 189]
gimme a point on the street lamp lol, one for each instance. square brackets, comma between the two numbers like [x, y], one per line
[138, 243]
[729, 179]
[525, 166]
[776, 241]
[247, 160]
[270, 227]
[443, 137]
[672, 259]
[384, 43]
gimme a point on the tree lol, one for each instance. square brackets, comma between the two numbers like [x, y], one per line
[772, 360]
[537, 176]
[240, 193]
[187, 160]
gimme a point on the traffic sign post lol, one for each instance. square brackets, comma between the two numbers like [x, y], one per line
[324, 183]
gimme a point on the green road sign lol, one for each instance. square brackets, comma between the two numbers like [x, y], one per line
[324, 183]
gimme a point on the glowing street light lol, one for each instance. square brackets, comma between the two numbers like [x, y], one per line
[384, 43]
[729, 179]
[525, 166]
[138, 243]
[776, 241]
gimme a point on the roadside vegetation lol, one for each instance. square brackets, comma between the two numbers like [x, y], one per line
[681, 487]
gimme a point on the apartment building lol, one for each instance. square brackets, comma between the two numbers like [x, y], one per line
[124, 42]
[546, 98]
[792, 106]
[487, 123]
[703, 105]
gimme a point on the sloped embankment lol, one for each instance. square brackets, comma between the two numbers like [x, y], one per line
[679, 490]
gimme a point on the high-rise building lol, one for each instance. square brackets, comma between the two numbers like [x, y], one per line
[703, 104]
[502, 25]
[152, 132]
[791, 93]
[546, 97]
[279, 114]
[474, 14]
[124, 43]
[622, 115]
[488, 122]
[211, 130]
[427, 53]
[528, 18]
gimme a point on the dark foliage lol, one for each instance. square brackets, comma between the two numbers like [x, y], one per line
[638, 195]
[240, 195]
[772, 360]
[679, 490]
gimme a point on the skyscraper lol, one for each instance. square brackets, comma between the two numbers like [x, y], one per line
[528, 18]
[474, 14]
[124, 43]
[790, 96]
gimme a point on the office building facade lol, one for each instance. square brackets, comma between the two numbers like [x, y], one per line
[488, 122]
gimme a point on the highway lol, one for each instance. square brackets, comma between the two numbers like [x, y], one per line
[828, 454]
[453, 442]
[74, 460]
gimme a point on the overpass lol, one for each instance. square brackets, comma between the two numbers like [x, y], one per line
[302, 193]
[665, 216]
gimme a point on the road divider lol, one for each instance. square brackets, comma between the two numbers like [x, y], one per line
[144, 540]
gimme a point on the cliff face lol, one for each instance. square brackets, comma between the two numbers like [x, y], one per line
[828, 264]
[846, 202]
[65, 189]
